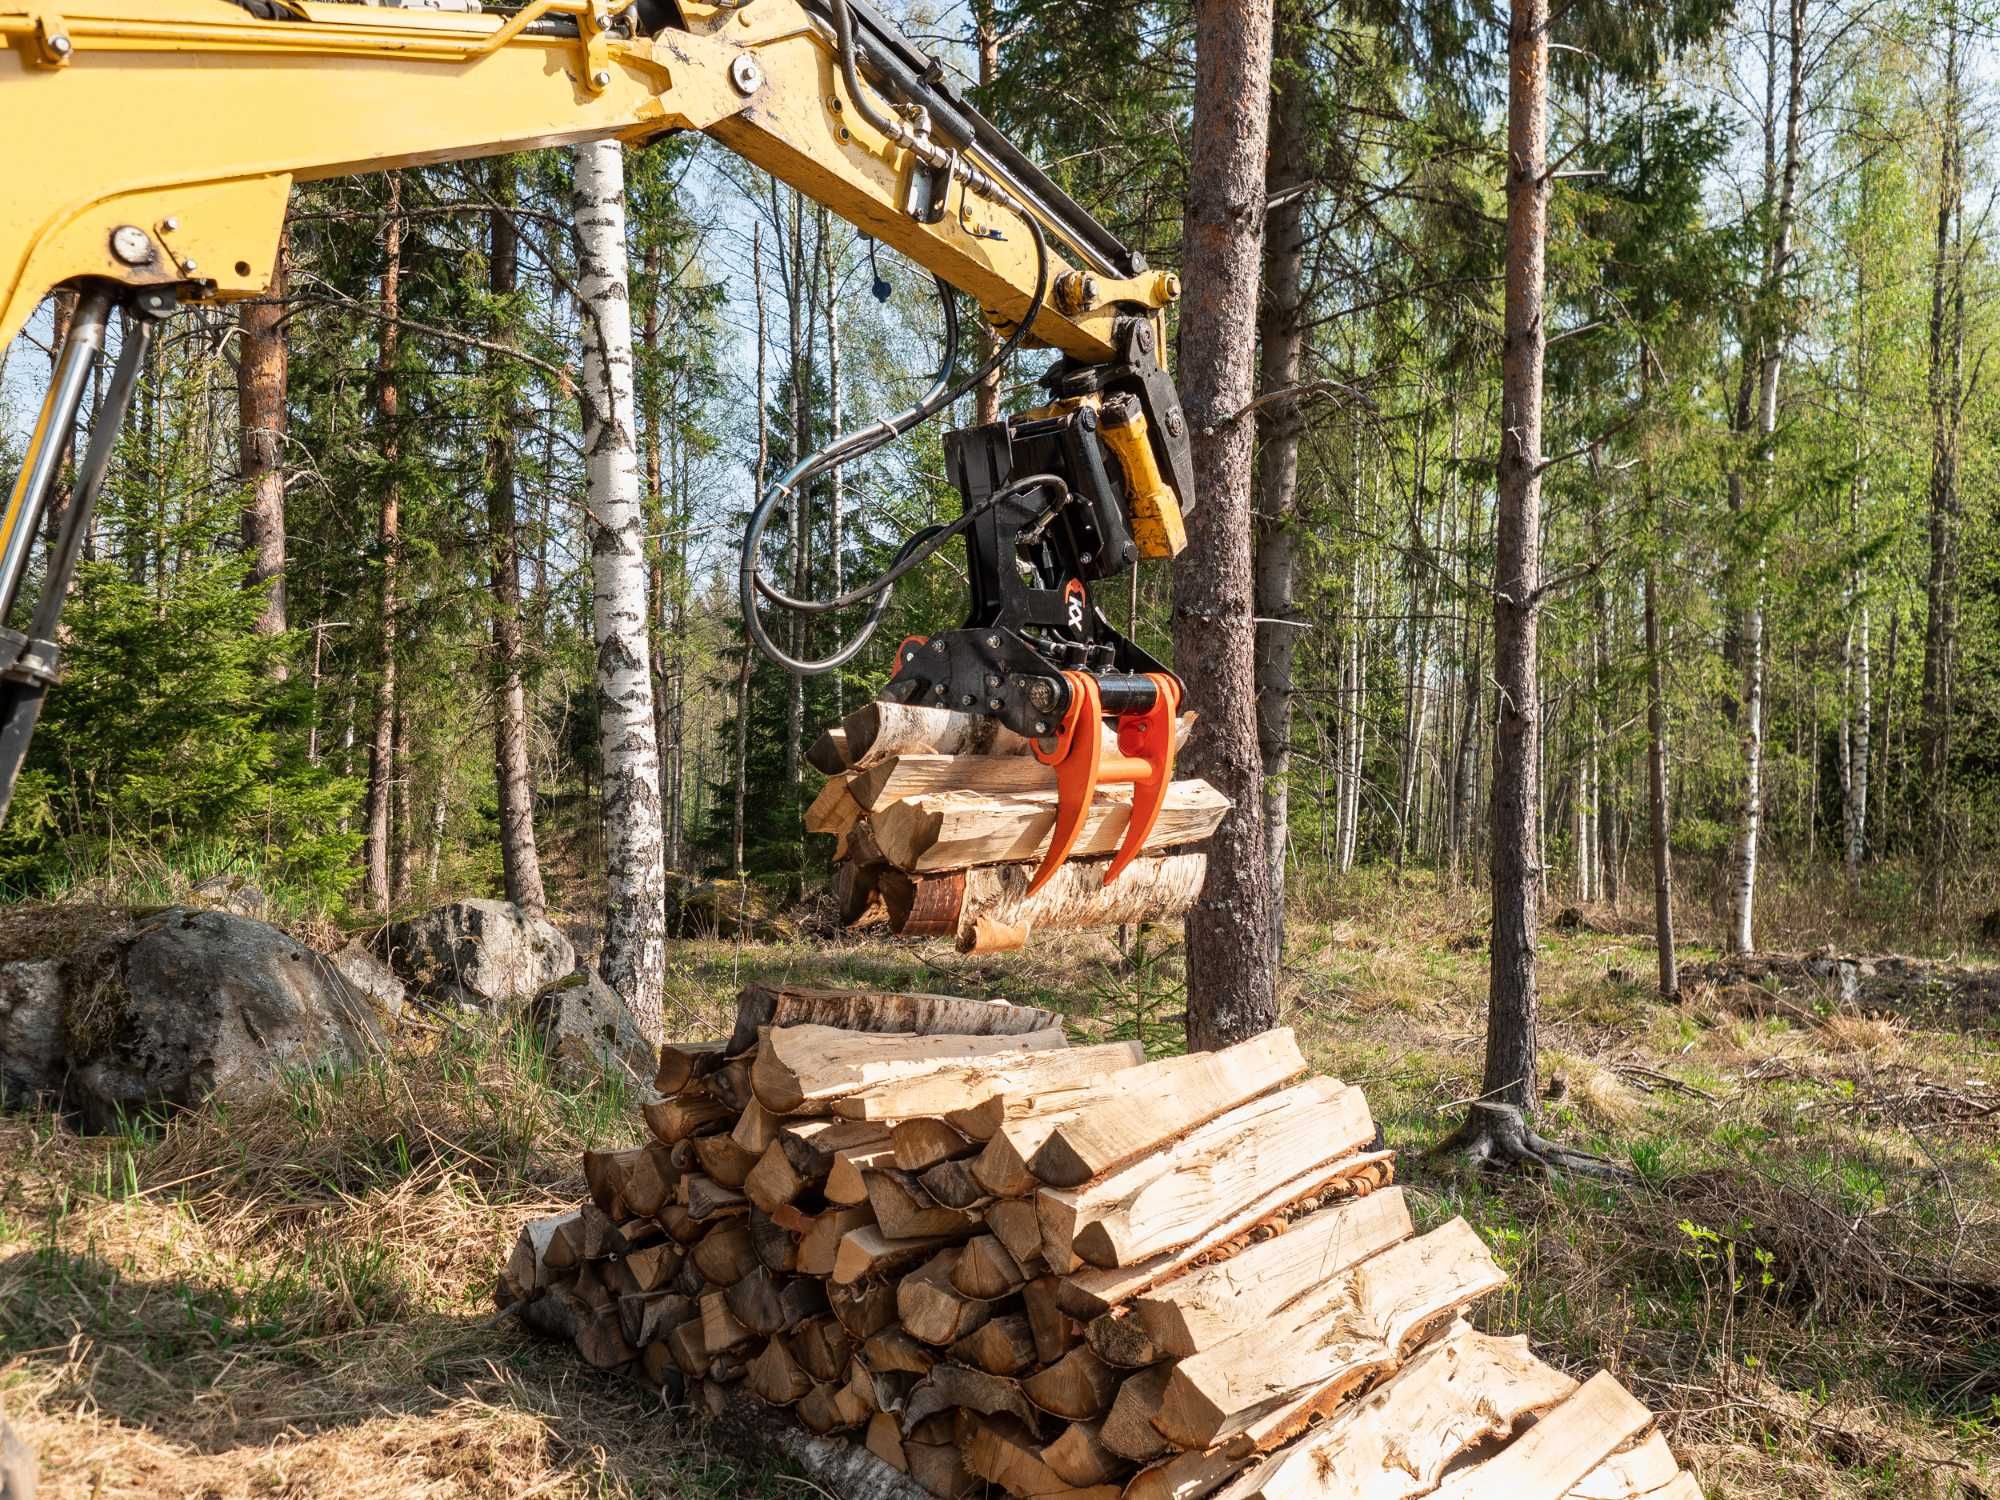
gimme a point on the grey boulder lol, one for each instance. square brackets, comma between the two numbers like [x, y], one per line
[371, 979]
[585, 1024]
[482, 953]
[31, 1031]
[187, 1006]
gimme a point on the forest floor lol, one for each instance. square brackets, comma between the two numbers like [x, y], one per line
[294, 1300]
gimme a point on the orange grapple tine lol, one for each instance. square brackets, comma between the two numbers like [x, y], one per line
[1078, 753]
[1149, 737]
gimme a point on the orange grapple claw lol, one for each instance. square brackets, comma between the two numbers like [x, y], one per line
[1147, 737]
[1078, 753]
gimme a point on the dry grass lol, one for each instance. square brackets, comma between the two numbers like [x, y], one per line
[293, 1299]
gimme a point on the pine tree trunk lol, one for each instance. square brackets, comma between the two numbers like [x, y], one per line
[834, 495]
[1510, 1076]
[520, 857]
[742, 759]
[798, 331]
[1231, 993]
[1281, 340]
[1945, 388]
[633, 960]
[388, 541]
[261, 355]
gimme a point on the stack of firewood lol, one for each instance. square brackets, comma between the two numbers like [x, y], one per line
[996, 1259]
[942, 817]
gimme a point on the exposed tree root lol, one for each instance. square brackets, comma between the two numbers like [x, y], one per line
[1496, 1137]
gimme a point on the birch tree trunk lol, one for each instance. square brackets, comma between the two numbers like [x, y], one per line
[520, 858]
[1773, 333]
[1231, 990]
[986, 39]
[1510, 1076]
[1281, 339]
[633, 960]
[388, 540]
[261, 361]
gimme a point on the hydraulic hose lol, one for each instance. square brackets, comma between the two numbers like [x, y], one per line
[925, 544]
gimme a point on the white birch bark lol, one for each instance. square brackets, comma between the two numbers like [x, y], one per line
[633, 961]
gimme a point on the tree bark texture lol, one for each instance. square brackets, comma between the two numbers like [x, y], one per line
[520, 858]
[1281, 339]
[633, 961]
[388, 541]
[261, 356]
[1231, 992]
[1512, 1001]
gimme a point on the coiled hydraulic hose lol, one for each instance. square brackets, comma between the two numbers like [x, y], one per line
[925, 544]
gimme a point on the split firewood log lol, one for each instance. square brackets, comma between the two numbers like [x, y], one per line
[805, 1069]
[1348, 1331]
[904, 1210]
[863, 1308]
[1464, 1389]
[821, 1347]
[819, 1247]
[958, 830]
[922, 1143]
[986, 1270]
[957, 1092]
[677, 1119]
[1006, 1454]
[1167, 1199]
[1151, 1105]
[952, 1385]
[1090, 1292]
[894, 1351]
[930, 1310]
[775, 1376]
[1055, 1331]
[768, 1304]
[1000, 1346]
[725, 1255]
[721, 1329]
[1078, 1457]
[684, 1064]
[723, 1160]
[847, 1181]
[775, 1246]
[1193, 1312]
[1079, 1386]
[1128, 1429]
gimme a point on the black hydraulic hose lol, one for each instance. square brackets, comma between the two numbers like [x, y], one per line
[925, 545]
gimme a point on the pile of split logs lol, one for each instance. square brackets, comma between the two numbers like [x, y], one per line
[942, 818]
[998, 1260]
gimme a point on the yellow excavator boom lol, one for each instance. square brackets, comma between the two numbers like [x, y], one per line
[154, 142]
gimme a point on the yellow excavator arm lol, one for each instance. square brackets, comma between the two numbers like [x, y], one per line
[153, 143]
[153, 148]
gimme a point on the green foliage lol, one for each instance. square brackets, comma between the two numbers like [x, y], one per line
[170, 737]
